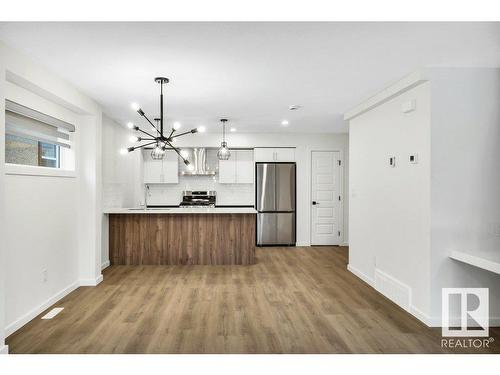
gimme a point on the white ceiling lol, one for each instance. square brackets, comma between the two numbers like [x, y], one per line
[248, 72]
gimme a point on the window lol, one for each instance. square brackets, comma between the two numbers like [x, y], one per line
[35, 139]
[25, 151]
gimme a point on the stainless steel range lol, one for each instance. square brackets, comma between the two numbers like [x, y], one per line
[200, 198]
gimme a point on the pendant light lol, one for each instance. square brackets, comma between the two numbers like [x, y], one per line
[223, 153]
[161, 140]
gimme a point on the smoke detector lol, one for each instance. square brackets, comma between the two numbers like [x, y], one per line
[294, 107]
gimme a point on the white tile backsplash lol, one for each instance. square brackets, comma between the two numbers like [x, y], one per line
[227, 194]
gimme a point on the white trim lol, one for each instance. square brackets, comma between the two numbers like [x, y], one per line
[417, 313]
[4, 349]
[91, 282]
[397, 291]
[410, 81]
[11, 328]
[411, 309]
[105, 264]
[303, 244]
[361, 275]
[345, 244]
[341, 191]
[424, 318]
[30, 315]
[32, 170]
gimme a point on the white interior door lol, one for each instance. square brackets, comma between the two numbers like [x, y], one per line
[326, 197]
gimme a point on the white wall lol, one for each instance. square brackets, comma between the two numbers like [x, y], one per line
[405, 221]
[121, 176]
[390, 207]
[3, 347]
[465, 180]
[53, 221]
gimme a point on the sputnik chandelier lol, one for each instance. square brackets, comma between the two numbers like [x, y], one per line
[161, 142]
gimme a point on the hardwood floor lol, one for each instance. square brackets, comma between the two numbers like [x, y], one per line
[294, 300]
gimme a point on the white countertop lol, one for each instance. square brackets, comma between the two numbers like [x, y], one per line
[178, 210]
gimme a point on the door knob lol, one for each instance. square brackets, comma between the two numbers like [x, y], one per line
[315, 203]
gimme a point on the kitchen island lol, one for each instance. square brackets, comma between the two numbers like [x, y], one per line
[173, 236]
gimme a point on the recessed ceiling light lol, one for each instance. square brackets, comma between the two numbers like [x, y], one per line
[232, 130]
[294, 107]
[284, 122]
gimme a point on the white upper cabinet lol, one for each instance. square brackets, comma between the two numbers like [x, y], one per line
[279, 154]
[164, 171]
[238, 169]
[264, 154]
[244, 167]
[227, 170]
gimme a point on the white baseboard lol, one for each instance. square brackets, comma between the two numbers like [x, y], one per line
[410, 309]
[303, 244]
[4, 349]
[14, 326]
[91, 282]
[424, 318]
[344, 244]
[11, 328]
[105, 264]
[394, 289]
[361, 275]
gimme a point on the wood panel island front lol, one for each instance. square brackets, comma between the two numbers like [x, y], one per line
[174, 236]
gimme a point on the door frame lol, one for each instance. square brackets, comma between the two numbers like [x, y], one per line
[341, 192]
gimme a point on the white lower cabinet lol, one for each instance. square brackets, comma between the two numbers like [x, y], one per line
[277, 154]
[164, 171]
[239, 169]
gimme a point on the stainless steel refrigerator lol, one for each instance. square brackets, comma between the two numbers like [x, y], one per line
[275, 201]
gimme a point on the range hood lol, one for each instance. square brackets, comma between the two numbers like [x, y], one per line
[204, 161]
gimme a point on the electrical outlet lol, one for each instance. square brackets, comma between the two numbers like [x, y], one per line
[44, 275]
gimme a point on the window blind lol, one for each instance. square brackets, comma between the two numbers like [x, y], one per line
[25, 122]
